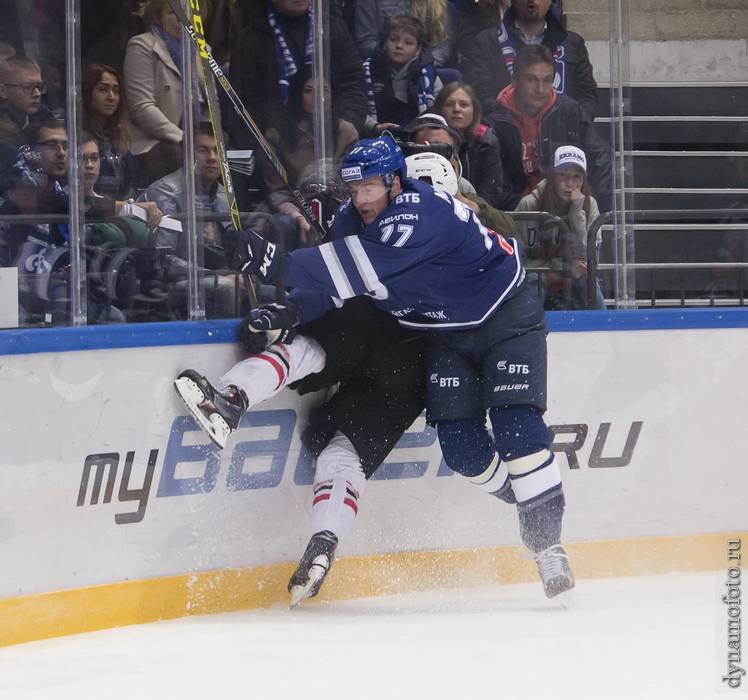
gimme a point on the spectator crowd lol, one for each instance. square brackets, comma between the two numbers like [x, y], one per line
[499, 88]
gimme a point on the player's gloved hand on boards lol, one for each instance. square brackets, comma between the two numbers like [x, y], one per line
[249, 253]
[273, 323]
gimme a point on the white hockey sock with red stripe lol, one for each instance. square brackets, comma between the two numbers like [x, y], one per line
[265, 374]
[339, 482]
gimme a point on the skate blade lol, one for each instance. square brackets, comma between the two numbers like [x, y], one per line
[299, 593]
[566, 599]
[215, 426]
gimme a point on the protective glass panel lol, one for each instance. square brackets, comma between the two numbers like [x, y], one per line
[116, 106]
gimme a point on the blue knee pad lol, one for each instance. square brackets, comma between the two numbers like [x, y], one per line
[466, 445]
[519, 431]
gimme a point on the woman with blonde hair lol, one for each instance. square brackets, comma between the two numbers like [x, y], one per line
[373, 19]
[480, 153]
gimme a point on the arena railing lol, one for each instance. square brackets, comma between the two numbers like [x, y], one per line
[688, 217]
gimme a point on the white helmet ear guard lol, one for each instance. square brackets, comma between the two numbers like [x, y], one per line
[434, 169]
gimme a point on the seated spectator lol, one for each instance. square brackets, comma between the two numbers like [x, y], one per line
[565, 193]
[293, 142]
[105, 118]
[433, 129]
[401, 78]
[148, 212]
[169, 194]
[21, 90]
[269, 52]
[532, 120]
[480, 153]
[123, 267]
[488, 65]
[153, 85]
[33, 186]
[373, 17]
[90, 164]
[473, 17]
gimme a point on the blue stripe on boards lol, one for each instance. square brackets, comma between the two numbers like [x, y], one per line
[135, 335]
[647, 320]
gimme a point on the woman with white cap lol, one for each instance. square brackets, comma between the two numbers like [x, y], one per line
[564, 192]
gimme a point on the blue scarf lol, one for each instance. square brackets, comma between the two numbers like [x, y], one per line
[425, 89]
[174, 48]
[287, 67]
[509, 50]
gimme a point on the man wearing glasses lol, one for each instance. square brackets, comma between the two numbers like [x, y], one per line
[21, 90]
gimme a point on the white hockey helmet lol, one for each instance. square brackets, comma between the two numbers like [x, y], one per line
[434, 169]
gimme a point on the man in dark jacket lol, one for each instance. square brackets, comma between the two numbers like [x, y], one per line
[488, 65]
[21, 91]
[531, 120]
[270, 50]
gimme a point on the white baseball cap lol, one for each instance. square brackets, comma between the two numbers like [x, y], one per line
[569, 155]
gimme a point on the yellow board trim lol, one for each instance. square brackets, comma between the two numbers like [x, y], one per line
[60, 613]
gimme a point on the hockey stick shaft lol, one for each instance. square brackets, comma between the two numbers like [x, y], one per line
[214, 110]
[210, 63]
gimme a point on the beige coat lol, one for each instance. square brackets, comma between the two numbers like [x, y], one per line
[153, 87]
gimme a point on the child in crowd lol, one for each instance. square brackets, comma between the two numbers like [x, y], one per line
[564, 192]
[401, 78]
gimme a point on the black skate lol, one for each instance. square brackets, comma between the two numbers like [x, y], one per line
[312, 569]
[555, 572]
[217, 411]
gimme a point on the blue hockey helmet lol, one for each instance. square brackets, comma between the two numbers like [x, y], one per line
[374, 157]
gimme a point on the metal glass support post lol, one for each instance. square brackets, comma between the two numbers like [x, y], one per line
[74, 116]
[621, 138]
[323, 145]
[191, 225]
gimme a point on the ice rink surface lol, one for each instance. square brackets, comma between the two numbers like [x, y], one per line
[635, 638]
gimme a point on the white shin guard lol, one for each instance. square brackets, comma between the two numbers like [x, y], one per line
[339, 482]
[533, 475]
[493, 478]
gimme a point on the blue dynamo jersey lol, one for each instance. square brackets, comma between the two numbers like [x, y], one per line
[426, 259]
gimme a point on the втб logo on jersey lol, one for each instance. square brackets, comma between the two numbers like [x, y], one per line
[444, 381]
[512, 367]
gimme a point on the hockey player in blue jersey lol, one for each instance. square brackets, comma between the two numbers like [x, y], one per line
[426, 259]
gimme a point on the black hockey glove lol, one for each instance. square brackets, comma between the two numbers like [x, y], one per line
[273, 323]
[249, 253]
